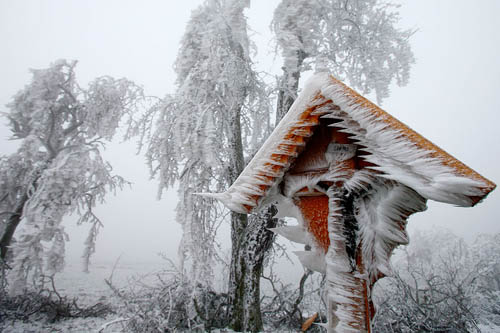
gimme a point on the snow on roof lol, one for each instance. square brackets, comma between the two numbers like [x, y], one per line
[395, 150]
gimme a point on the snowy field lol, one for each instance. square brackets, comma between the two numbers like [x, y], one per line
[90, 288]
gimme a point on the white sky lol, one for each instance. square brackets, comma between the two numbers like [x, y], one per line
[453, 97]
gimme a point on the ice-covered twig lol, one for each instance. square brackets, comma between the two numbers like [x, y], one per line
[113, 322]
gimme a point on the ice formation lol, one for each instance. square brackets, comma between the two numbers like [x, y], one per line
[351, 174]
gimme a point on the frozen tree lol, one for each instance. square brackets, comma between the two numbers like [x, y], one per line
[355, 40]
[217, 117]
[485, 251]
[441, 284]
[58, 168]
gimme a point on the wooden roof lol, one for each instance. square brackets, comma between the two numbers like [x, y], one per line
[395, 150]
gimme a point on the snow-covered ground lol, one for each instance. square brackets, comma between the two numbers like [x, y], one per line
[89, 288]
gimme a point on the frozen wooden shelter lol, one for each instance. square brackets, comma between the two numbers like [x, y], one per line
[351, 174]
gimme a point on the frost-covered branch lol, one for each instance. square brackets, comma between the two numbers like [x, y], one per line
[440, 283]
[195, 138]
[356, 41]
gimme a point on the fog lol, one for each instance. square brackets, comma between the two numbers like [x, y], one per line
[453, 97]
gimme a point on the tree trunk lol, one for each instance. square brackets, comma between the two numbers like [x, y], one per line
[250, 243]
[238, 272]
[12, 223]
[239, 223]
[247, 265]
[251, 240]
[289, 86]
[15, 218]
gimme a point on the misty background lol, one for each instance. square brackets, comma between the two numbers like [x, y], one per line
[453, 97]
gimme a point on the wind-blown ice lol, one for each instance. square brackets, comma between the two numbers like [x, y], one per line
[396, 152]
[373, 173]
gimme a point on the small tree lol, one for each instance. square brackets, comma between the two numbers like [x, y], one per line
[58, 168]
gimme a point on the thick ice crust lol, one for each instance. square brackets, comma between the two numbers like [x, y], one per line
[395, 151]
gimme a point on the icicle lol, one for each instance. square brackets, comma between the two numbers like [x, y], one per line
[230, 201]
[396, 156]
[381, 213]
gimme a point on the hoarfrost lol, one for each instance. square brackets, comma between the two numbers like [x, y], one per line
[58, 167]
